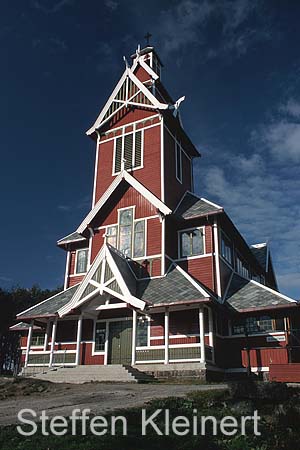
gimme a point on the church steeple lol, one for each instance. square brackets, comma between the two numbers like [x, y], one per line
[150, 57]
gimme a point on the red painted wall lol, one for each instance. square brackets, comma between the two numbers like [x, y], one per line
[149, 175]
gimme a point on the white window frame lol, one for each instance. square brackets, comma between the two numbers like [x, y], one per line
[148, 318]
[243, 264]
[180, 257]
[144, 219]
[232, 263]
[122, 136]
[102, 352]
[87, 264]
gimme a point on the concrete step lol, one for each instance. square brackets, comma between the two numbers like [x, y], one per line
[83, 374]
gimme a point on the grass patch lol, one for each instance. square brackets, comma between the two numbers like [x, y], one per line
[278, 405]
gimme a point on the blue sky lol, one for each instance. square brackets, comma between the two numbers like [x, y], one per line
[238, 64]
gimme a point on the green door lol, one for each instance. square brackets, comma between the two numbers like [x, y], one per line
[120, 342]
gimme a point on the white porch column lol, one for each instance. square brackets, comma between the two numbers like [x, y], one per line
[134, 318]
[106, 343]
[47, 336]
[29, 337]
[78, 340]
[201, 332]
[53, 337]
[167, 336]
[211, 333]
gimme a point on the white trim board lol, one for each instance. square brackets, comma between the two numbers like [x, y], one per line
[105, 197]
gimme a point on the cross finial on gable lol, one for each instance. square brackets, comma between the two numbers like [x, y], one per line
[147, 37]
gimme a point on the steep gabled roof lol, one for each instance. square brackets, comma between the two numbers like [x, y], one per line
[260, 251]
[105, 197]
[50, 306]
[106, 274]
[128, 91]
[247, 295]
[73, 237]
[192, 206]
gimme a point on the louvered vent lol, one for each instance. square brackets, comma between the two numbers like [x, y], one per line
[118, 154]
[138, 149]
[128, 145]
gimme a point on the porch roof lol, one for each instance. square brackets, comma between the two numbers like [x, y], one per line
[50, 306]
[247, 295]
[192, 206]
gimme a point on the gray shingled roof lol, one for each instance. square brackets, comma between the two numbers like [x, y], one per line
[174, 287]
[73, 237]
[124, 269]
[244, 295]
[192, 206]
[51, 305]
[260, 254]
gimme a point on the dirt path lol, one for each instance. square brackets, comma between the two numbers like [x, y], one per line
[61, 399]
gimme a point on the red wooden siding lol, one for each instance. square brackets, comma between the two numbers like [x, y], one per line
[75, 280]
[124, 199]
[202, 269]
[263, 357]
[154, 236]
[86, 356]
[149, 175]
[230, 352]
[288, 373]
[141, 74]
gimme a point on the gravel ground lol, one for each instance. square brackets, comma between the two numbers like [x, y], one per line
[61, 399]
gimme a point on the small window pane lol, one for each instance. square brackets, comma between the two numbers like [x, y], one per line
[226, 249]
[185, 244]
[197, 242]
[139, 239]
[81, 264]
[142, 332]
[111, 233]
[125, 239]
[126, 217]
[100, 336]
[178, 161]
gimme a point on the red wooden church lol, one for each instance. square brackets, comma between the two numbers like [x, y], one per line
[155, 274]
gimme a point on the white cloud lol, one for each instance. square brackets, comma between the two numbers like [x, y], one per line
[291, 108]
[184, 25]
[283, 140]
[263, 205]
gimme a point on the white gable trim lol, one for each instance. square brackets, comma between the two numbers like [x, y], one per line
[127, 73]
[285, 297]
[107, 104]
[136, 185]
[103, 256]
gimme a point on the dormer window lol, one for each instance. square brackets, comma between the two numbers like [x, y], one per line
[128, 148]
[191, 242]
[241, 267]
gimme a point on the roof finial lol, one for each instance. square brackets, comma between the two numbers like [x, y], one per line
[147, 37]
